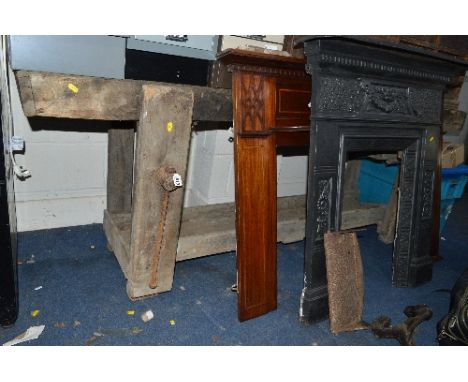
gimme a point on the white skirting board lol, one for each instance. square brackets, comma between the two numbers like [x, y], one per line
[53, 213]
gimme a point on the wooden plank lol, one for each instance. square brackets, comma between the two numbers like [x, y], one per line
[120, 167]
[361, 216]
[210, 229]
[81, 97]
[163, 137]
[117, 228]
[207, 230]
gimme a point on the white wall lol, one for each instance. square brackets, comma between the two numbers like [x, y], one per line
[210, 178]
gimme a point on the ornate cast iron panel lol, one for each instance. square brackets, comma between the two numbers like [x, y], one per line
[369, 96]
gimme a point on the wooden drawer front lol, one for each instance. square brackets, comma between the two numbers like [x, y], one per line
[292, 98]
[265, 104]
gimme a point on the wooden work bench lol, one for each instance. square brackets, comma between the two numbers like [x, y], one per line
[146, 226]
[159, 118]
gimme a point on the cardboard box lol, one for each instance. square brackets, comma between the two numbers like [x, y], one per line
[452, 154]
[219, 77]
[453, 121]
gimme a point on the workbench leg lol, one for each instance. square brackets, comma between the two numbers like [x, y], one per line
[120, 166]
[163, 138]
[119, 180]
[255, 176]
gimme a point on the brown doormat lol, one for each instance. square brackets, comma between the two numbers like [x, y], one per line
[345, 281]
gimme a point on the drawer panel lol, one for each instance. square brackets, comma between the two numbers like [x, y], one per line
[149, 66]
[292, 98]
[293, 101]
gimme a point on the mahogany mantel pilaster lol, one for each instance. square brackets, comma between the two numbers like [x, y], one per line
[271, 94]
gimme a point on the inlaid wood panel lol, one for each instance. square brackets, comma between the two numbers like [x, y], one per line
[256, 225]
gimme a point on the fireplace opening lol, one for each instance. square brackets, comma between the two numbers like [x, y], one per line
[370, 192]
[369, 206]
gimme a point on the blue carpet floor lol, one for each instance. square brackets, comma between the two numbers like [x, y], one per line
[83, 299]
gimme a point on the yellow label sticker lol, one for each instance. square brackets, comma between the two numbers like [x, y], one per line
[131, 312]
[431, 138]
[172, 322]
[73, 88]
[35, 313]
[169, 127]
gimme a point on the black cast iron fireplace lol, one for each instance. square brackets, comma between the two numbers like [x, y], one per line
[372, 96]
